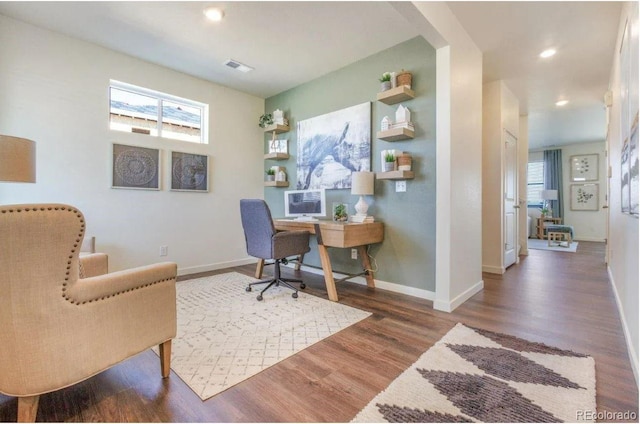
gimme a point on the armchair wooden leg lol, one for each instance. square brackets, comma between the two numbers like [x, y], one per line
[27, 409]
[165, 358]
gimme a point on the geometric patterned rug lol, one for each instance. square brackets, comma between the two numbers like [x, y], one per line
[474, 375]
[226, 336]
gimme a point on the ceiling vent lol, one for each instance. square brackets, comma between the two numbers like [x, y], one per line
[238, 66]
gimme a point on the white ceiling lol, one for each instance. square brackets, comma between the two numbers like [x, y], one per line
[289, 43]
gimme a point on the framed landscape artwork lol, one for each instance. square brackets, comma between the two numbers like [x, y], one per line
[135, 167]
[584, 197]
[189, 172]
[584, 167]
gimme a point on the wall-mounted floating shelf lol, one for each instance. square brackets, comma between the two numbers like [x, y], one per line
[396, 95]
[276, 156]
[276, 183]
[395, 175]
[276, 128]
[395, 134]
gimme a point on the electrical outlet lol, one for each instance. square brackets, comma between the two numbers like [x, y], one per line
[401, 186]
[164, 250]
[354, 253]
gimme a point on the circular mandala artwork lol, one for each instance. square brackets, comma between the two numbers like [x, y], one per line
[189, 171]
[135, 167]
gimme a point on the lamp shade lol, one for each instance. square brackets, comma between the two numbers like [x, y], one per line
[17, 159]
[549, 194]
[362, 183]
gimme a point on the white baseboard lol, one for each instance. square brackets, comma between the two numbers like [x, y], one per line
[633, 355]
[493, 269]
[213, 267]
[450, 306]
[384, 285]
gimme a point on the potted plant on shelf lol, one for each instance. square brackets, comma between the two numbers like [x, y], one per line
[265, 120]
[389, 162]
[271, 174]
[385, 81]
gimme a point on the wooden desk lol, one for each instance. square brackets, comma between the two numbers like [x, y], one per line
[335, 234]
[540, 226]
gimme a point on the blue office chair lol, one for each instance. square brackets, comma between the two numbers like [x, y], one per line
[265, 243]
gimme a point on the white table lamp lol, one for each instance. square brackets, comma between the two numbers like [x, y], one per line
[17, 159]
[362, 185]
[548, 195]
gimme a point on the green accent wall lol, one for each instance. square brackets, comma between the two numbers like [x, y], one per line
[407, 254]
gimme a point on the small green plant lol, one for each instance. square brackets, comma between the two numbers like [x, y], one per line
[385, 77]
[271, 171]
[340, 212]
[544, 211]
[389, 157]
[265, 120]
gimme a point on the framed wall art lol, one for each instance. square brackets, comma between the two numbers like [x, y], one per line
[584, 197]
[278, 146]
[584, 167]
[135, 167]
[332, 146]
[189, 172]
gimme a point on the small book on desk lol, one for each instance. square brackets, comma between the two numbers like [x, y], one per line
[360, 219]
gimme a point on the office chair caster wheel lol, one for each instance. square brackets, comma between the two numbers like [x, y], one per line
[303, 285]
[259, 297]
[295, 295]
[248, 288]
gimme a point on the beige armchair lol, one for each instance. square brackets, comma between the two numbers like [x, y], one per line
[57, 329]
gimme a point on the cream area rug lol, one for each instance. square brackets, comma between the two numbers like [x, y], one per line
[226, 336]
[538, 244]
[474, 375]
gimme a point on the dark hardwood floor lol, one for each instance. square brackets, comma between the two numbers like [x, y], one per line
[561, 299]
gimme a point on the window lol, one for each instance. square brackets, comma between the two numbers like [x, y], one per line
[535, 183]
[144, 111]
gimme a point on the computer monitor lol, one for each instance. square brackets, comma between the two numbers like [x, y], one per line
[305, 205]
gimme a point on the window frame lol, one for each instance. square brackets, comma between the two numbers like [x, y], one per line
[160, 97]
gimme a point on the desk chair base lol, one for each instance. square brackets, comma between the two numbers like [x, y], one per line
[277, 280]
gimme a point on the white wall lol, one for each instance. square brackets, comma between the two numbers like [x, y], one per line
[623, 228]
[54, 90]
[459, 151]
[500, 111]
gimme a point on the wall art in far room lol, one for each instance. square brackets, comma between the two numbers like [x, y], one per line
[584, 197]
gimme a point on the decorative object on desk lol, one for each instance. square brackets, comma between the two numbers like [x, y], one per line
[547, 196]
[385, 81]
[385, 124]
[271, 174]
[218, 330]
[278, 146]
[389, 162]
[189, 172]
[404, 78]
[332, 146]
[135, 167]
[340, 212]
[362, 185]
[17, 159]
[584, 167]
[404, 162]
[475, 375]
[265, 120]
[584, 197]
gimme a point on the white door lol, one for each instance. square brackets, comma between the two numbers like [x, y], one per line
[510, 199]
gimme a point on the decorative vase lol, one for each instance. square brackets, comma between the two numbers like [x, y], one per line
[271, 177]
[404, 78]
[388, 166]
[386, 85]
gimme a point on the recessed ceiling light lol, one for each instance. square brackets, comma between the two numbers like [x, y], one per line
[548, 53]
[562, 102]
[213, 14]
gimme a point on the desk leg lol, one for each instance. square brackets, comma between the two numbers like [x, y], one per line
[259, 268]
[300, 259]
[328, 273]
[362, 251]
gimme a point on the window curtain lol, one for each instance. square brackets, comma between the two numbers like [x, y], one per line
[553, 179]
